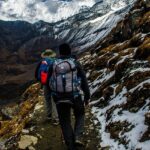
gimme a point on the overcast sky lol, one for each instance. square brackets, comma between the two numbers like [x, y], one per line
[47, 10]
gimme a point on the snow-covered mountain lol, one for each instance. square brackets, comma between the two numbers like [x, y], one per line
[81, 30]
[48, 10]
[90, 24]
[22, 42]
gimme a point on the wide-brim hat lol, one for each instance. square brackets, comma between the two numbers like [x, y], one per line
[48, 54]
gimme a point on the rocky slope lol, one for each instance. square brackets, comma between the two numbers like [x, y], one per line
[119, 77]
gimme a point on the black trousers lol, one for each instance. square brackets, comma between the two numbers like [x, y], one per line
[64, 112]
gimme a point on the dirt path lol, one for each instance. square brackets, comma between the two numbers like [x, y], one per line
[49, 135]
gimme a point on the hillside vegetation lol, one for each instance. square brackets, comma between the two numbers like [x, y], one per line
[119, 78]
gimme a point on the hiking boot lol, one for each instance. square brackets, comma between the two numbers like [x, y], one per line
[55, 122]
[72, 147]
[49, 118]
[79, 143]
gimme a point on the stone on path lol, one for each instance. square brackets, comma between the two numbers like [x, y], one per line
[26, 141]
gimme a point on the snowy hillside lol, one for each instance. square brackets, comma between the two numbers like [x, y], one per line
[119, 78]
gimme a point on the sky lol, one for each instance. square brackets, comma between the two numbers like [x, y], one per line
[46, 10]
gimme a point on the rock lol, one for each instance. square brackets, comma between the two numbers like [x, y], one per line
[38, 107]
[38, 135]
[25, 131]
[32, 128]
[147, 118]
[31, 148]
[134, 109]
[2, 144]
[87, 114]
[10, 112]
[91, 127]
[34, 139]
[26, 141]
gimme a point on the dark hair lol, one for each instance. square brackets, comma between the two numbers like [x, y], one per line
[64, 49]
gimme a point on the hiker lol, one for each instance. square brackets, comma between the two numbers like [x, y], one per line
[66, 80]
[41, 74]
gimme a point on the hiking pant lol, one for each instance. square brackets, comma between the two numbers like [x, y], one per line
[64, 113]
[49, 103]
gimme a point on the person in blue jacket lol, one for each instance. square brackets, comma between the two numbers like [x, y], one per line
[48, 57]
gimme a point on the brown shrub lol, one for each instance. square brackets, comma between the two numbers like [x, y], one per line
[118, 89]
[132, 81]
[136, 40]
[111, 63]
[101, 62]
[143, 51]
[115, 128]
[147, 119]
[126, 51]
[121, 46]
[107, 92]
[146, 135]
[148, 58]
[93, 75]
[137, 99]
[146, 22]
[120, 69]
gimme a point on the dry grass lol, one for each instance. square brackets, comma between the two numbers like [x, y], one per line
[15, 126]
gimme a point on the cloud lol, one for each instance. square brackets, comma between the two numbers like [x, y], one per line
[47, 10]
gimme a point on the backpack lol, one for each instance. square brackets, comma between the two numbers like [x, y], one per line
[43, 70]
[64, 79]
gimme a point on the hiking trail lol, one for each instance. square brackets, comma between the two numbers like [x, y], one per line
[50, 136]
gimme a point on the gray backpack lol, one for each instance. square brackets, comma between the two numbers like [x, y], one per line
[64, 77]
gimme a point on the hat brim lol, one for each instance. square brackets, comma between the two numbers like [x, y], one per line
[43, 55]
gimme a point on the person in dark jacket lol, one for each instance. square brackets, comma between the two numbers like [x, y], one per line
[72, 136]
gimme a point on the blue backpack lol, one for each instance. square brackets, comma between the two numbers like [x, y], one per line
[43, 69]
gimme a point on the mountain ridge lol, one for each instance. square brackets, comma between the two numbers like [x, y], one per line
[23, 45]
